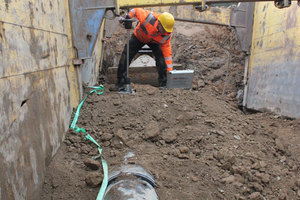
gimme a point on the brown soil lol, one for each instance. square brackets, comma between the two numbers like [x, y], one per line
[197, 143]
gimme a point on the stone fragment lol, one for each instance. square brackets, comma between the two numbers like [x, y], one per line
[280, 146]
[112, 153]
[200, 83]
[184, 149]
[237, 184]
[228, 160]
[106, 144]
[67, 142]
[106, 137]
[151, 91]
[122, 135]
[255, 196]
[91, 164]
[169, 136]
[218, 155]
[94, 179]
[117, 143]
[265, 178]
[239, 197]
[195, 178]
[229, 179]
[210, 122]
[116, 102]
[151, 130]
[262, 164]
[256, 186]
[237, 137]
[183, 156]
[85, 149]
[197, 152]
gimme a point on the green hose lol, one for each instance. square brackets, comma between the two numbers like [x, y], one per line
[97, 90]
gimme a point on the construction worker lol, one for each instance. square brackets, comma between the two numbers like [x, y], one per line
[152, 29]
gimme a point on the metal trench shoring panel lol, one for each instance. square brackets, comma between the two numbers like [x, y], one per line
[86, 24]
[242, 19]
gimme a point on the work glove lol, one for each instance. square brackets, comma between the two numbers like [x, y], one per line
[122, 18]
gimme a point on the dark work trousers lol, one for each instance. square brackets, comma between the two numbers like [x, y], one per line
[134, 46]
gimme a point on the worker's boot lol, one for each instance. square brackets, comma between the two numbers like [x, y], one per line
[118, 86]
[162, 85]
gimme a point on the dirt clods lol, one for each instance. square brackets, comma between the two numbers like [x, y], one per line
[198, 143]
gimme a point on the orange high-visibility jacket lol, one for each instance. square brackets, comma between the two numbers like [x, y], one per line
[147, 32]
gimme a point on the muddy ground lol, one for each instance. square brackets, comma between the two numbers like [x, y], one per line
[198, 143]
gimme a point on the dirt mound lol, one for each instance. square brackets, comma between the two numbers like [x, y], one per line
[197, 146]
[214, 54]
[196, 143]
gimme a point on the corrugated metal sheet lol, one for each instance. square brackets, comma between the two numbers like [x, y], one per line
[274, 70]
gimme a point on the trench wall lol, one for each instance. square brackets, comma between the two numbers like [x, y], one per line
[39, 87]
[274, 65]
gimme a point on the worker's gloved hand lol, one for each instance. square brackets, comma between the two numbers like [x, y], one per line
[121, 19]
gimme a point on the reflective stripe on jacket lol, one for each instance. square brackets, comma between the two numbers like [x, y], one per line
[147, 32]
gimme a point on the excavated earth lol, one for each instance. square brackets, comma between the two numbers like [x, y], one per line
[198, 143]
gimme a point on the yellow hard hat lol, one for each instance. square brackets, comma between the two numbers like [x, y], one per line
[167, 21]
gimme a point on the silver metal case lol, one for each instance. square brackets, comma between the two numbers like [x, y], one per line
[180, 79]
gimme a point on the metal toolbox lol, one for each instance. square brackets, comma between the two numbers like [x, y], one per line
[180, 79]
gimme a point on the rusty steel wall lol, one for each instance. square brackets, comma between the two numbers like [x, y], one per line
[39, 86]
[274, 65]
